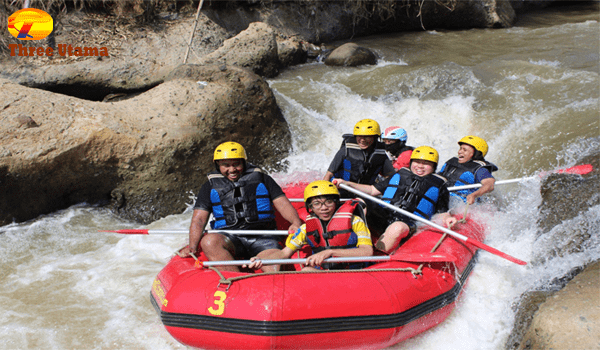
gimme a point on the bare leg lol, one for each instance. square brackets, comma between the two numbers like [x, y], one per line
[217, 248]
[389, 240]
[309, 268]
[267, 253]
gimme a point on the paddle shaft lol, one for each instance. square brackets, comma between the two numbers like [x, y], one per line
[441, 228]
[407, 257]
[296, 261]
[181, 232]
[578, 169]
[501, 182]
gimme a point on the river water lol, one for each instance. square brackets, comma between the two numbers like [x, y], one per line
[532, 91]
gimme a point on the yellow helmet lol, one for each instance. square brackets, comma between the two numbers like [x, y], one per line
[367, 127]
[320, 188]
[229, 150]
[476, 142]
[425, 153]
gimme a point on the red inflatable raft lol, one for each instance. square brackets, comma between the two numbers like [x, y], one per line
[372, 308]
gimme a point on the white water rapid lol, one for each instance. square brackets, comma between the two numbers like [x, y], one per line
[532, 91]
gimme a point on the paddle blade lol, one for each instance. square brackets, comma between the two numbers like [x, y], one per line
[128, 232]
[578, 169]
[495, 251]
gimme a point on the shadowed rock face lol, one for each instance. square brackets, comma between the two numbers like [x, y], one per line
[569, 318]
[142, 155]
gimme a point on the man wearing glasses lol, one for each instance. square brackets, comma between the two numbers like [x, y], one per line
[332, 229]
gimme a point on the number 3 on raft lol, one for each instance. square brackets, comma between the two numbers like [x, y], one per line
[219, 301]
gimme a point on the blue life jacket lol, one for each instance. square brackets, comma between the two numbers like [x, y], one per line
[358, 166]
[245, 202]
[416, 194]
[464, 174]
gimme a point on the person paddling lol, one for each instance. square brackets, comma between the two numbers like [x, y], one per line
[240, 197]
[361, 158]
[468, 168]
[332, 229]
[416, 190]
[395, 138]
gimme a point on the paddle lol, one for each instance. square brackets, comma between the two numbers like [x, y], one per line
[443, 229]
[578, 169]
[177, 232]
[417, 257]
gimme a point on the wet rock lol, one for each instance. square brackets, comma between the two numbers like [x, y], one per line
[526, 309]
[143, 156]
[290, 51]
[351, 55]
[564, 196]
[254, 48]
[569, 319]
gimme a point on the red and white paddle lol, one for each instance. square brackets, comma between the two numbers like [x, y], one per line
[578, 169]
[441, 228]
[185, 232]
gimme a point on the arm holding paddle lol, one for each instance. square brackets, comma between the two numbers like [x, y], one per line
[318, 259]
[368, 189]
[487, 185]
[257, 263]
[287, 211]
[199, 221]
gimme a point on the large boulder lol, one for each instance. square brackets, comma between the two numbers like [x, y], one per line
[565, 197]
[351, 55]
[254, 48]
[570, 319]
[143, 155]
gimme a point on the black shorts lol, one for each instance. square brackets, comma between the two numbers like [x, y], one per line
[247, 247]
[380, 218]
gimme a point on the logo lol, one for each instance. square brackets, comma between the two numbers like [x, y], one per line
[34, 24]
[30, 24]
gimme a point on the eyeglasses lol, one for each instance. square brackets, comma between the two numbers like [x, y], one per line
[327, 202]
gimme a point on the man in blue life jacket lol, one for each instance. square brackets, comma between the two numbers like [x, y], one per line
[470, 168]
[361, 158]
[240, 197]
[416, 190]
[332, 229]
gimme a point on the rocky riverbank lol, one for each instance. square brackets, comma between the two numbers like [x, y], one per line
[241, 44]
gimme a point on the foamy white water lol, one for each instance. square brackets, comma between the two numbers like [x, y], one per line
[530, 91]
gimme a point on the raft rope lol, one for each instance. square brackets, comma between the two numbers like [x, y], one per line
[229, 281]
[464, 218]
